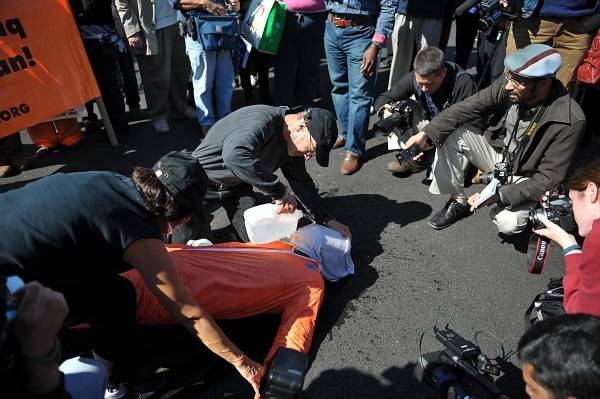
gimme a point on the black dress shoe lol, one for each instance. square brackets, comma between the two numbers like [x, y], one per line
[451, 213]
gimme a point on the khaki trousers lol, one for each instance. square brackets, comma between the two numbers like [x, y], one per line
[451, 160]
[408, 31]
[165, 75]
[566, 35]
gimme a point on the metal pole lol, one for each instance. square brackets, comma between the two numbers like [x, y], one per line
[112, 137]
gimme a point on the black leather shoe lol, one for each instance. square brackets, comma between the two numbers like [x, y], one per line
[451, 213]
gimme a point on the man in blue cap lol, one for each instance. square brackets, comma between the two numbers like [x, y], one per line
[534, 128]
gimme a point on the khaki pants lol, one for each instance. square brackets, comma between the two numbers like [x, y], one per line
[451, 160]
[408, 31]
[566, 35]
[165, 75]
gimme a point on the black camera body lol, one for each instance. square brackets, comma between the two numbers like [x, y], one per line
[500, 172]
[408, 154]
[458, 371]
[491, 12]
[401, 118]
[284, 375]
[558, 208]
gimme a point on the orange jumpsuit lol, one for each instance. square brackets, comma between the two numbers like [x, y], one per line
[236, 280]
[65, 132]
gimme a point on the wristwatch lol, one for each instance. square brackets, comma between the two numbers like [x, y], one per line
[378, 45]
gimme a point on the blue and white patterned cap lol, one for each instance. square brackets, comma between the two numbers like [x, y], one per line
[534, 61]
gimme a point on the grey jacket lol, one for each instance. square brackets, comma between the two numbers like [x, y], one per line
[546, 158]
[247, 146]
[138, 16]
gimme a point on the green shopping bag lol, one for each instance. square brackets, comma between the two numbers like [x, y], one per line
[263, 25]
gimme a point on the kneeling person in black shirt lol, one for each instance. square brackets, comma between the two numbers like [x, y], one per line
[435, 84]
[76, 232]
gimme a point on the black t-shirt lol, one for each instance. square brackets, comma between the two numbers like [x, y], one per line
[71, 227]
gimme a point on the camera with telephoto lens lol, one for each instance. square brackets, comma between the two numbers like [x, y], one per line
[500, 172]
[459, 371]
[401, 117]
[558, 208]
[284, 375]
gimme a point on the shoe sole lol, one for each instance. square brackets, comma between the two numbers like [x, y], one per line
[439, 227]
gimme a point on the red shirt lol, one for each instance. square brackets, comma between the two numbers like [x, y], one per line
[582, 278]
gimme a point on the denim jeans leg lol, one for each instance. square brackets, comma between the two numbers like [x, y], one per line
[203, 73]
[223, 83]
[338, 73]
[356, 41]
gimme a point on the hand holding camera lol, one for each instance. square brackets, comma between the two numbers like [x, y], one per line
[422, 140]
[554, 232]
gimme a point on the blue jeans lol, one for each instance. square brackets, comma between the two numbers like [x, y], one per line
[299, 57]
[212, 72]
[84, 378]
[352, 91]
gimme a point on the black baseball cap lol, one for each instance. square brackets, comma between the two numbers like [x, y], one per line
[323, 128]
[182, 174]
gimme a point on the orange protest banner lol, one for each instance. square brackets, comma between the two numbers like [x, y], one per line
[44, 70]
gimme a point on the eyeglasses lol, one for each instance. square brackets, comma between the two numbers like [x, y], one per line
[312, 148]
[515, 81]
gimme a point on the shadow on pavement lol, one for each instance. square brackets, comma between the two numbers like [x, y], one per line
[398, 383]
[366, 236]
[352, 383]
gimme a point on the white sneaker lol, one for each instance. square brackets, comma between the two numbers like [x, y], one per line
[161, 126]
[190, 113]
[115, 392]
[254, 80]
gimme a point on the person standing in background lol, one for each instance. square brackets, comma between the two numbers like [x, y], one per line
[355, 31]
[559, 24]
[152, 32]
[418, 23]
[212, 70]
[298, 59]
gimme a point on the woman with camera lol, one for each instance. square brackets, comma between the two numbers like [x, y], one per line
[582, 278]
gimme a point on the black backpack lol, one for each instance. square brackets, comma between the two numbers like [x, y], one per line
[546, 305]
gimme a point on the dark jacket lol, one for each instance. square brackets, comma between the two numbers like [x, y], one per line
[247, 146]
[457, 86]
[92, 12]
[546, 158]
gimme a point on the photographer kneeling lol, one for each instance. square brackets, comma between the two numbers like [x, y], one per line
[435, 84]
[535, 127]
[582, 279]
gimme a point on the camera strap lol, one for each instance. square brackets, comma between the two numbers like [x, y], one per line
[529, 134]
[537, 253]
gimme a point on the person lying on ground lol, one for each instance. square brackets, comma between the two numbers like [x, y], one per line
[236, 280]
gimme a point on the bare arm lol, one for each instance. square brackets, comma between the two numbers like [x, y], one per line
[158, 271]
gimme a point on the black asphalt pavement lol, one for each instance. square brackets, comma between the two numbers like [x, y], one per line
[409, 277]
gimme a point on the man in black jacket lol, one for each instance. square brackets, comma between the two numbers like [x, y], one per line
[435, 85]
[242, 151]
[534, 129]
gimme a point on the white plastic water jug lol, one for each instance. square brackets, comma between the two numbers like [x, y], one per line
[264, 225]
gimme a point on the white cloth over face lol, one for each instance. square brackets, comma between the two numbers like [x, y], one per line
[326, 246]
